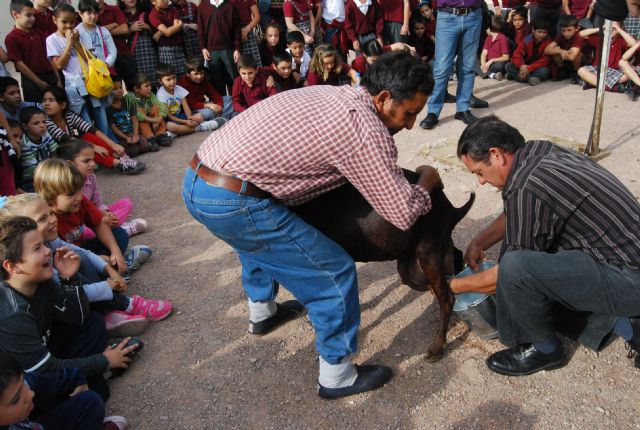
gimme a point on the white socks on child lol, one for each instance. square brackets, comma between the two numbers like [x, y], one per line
[260, 311]
[339, 375]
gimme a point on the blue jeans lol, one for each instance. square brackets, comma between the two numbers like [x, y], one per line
[276, 246]
[455, 34]
[227, 110]
[97, 247]
[82, 411]
[539, 294]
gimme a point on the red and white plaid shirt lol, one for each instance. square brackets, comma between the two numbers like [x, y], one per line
[301, 143]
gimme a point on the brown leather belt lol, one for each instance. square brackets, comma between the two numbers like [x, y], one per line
[227, 182]
[460, 11]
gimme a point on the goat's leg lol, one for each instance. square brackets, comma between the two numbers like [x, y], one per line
[445, 301]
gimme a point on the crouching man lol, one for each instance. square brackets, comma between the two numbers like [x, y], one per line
[570, 256]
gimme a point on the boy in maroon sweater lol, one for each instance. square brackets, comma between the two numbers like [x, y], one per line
[362, 22]
[280, 73]
[528, 63]
[220, 40]
[566, 50]
[620, 42]
[420, 40]
[203, 97]
[26, 47]
[250, 87]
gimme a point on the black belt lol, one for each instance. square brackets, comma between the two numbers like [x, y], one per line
[460, 11]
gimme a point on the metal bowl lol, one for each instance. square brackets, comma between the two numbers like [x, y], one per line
[477, 310]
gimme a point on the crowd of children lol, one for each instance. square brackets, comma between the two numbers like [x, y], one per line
[176, 69]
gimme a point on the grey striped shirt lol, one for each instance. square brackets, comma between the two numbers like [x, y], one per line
[556, 199]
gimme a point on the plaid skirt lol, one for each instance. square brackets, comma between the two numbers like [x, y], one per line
[173, 55]
[146, 56]
[612, 78]
[191, 44]
[250, 47]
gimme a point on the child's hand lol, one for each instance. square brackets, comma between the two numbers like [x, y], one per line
[271, 82]
[118, 356]
[137, 26]
[135, 138]
[356, 45]
[117, 261]
[111, 219]
[100, 150]
[156, 36]
[404, 31]
[79, 389]
[296, 76]
[177, 23]
[115, 281]
[214, 107]
[308, 39]
[191, 123]
[66, 262]
[118, 149]
[485, 67]
[206, 54]
[244, 33]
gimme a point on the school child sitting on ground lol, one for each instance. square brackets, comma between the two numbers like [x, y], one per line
[80, 154]
[326, 68]
[26, 47]
[60, 185]
[249, 88]
[180, 120]
[566, 50]
[36, 145]
[103, 285]
[420, 40]
[632, 70]
[372, 50]
[52, 398]
[620, 42]
[528, 63]
[47, 326]
[203, 98]
[495, 52]
[517, 26]
[272, 42]
[280, 73]
[301, 58]
[11, 99]
[151, 111]
[164, 18]
[63, 124]
[123, 120]
[362, 22]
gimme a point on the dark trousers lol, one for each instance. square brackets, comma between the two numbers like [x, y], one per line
[70, 341]
[222, 70]
[126, 67]
[31, 92]
[84, 411]
[495, 67]
[547, 14]
[97, 247]
[539, 294]
[512, 72]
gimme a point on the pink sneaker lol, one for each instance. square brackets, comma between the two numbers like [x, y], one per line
[114, 423]
[121, 324]
[135, 226]
[154, 310]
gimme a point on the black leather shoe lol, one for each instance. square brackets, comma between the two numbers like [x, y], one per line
[524, 360]
[369, 378]
[449, 98]
[476, 103]
[429, 121]
[287, 311]
[633, 345]
[466, 117]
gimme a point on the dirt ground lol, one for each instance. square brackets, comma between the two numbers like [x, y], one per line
[200, 369]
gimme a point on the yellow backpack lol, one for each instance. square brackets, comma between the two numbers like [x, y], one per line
[97, 77]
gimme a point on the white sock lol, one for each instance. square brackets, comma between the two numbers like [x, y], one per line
[339, 375]
[492, 75]
[260, 311]
[130, 307]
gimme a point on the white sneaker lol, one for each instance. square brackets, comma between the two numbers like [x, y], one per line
[136, 256]
[115, 422]
[207, 126]
[135, 226]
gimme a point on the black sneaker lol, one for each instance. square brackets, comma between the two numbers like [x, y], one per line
[287, 311]
[116, 373]
[153, 144]
[369, 378]
[164, 139]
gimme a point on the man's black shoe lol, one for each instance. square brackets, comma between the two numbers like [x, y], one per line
[287, 311]
[449, 98]
[633, 345]
[476, 103]
[524, 360]
[429, 121]
[369, 378]
[466, 117]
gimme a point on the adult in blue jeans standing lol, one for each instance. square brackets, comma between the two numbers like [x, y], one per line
[458, 28]
[245, 176]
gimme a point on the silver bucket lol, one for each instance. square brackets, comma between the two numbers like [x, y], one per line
[477, 310]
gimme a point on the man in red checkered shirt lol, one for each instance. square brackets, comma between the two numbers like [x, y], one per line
[291, 148]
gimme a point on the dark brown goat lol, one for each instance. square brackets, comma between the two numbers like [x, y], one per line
[425, 253]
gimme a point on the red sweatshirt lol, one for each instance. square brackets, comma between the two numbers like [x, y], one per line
[529, 53]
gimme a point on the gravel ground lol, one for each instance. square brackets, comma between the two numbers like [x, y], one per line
[200, 369]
